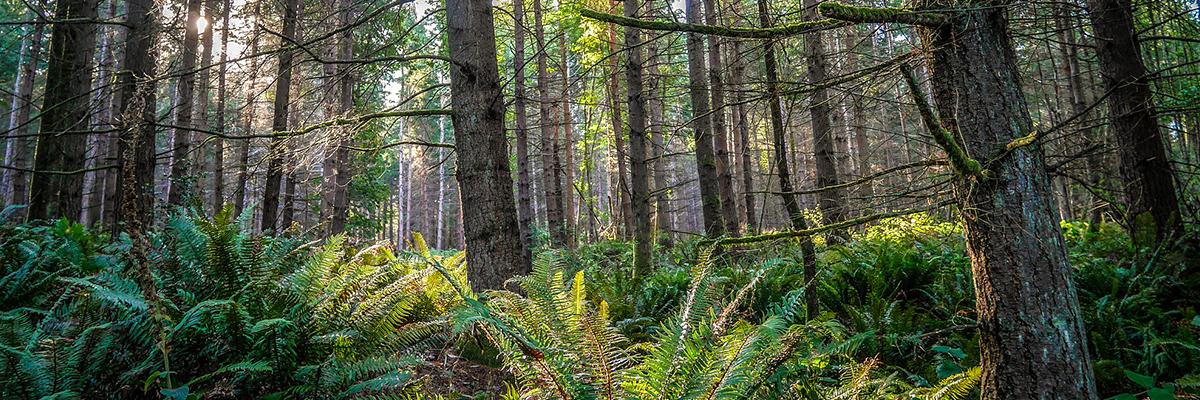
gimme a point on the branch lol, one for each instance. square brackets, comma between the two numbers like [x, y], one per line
[962, 163]
[747, 33]
[401, 143]
[814, 231]
[868, 178]
[861, 15]
[75, 172]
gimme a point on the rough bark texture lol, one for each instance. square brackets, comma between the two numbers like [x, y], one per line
[1031, 331]
[201, 113]
[716, 70]
[745, 155]
[552, 186]
[1149, 183]
[135, 210]
[335, 167]
[706, 159]
[218, 181]
[568, 187]
[283, 86]
[494, 251]
[242, 175]
[520, 118]
[639, 173]
[662, 194]
[65, 108]
[17, 152]
[181, 162]
[829, 201]
[771, 68]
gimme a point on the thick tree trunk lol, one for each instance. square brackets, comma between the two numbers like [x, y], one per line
[1149, 184]
[64, 109]
[786, 189]
[494, 251]
[525, 215]
[706, 159]
[829, 201]
[1032, 341]
[551, 187]
[203, 102]
[716, 70]
[181, 150]
[135, 209]
[639, 173]
[17, 152]
[283, 86]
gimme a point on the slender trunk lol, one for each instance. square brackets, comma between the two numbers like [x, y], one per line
[569, 168]
[706, 159]
[17, 152]
[781, 164]
[243, 160]
[441, 179]
[135, 210]
[97, 191]
[203, 101]
[745, 155]
[862, 142]
[662, 197]
[494, 251]
[1149, 185]
[181, 154]
[218, 182]
[112, 195]
[639, 173]
[720, 137]
[283, 85]
[553, 200]
[64, 108]
[622, 187]
[1032, 341]
[525, 215]
[824, 153]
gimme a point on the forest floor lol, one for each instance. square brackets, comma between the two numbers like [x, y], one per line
[450, 375]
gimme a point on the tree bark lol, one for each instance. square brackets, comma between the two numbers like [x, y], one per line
[795, 216]
[568, 191]
[242, 175]
[135, 209]
[17, 152]
[706, 159]
[64, 109]
[203, 102]
[494, 251]
[742, 125]
[1032, 340]
[335, 167]
[716, 70]
[181, 163]
[524, 191]
[639, 173]
[1149, 184]
[825, 155]
[218, 182]
[662, 197]
[283, 85]
[552, 186]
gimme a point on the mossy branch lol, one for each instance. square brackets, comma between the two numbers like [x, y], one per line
[813, 231]
[861, 15]
[745, 33]
[959, 159]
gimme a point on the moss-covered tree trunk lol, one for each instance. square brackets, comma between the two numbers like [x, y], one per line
[639, 173]
[706, 158]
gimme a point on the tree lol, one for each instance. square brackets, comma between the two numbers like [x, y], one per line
[56, 189]
[720, 137]
[16, 152]
[1032, 341]
[1149, 185]
[135, 209]
[524, 190]
[552, 184]
[706, 160]
[181, 181]
[830, 201]
[279, 121]
[639, 172]
[335, 168]
[494, 251]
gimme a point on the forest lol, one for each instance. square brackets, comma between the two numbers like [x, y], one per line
[591, 199]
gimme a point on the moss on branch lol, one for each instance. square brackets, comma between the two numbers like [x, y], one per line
[813, 231]
[745, 33]
[860, 15]
[959, 160]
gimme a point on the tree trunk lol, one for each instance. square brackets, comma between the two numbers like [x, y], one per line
[335, 167]
[662, 197]
[639, 173]
[98, 193]
[552, 197]
[568, 191]
[1032, 340]
[243, 161]
[17, 152]
[181, 181]
[203, 101]
[494, 251]
[829, 201]
[1149, 184]
[716, 69]
[135, 210]
[64, 109]
[218, 182]
[781, 162]
[742, 125]
[622, 187]
[706, 160]
[283, 85]
[524, 191]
